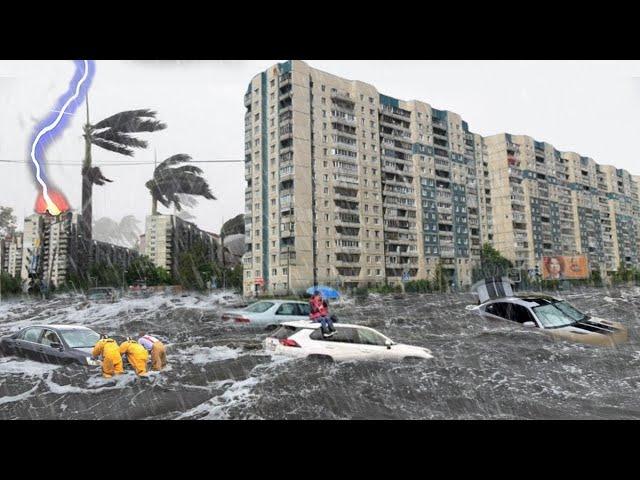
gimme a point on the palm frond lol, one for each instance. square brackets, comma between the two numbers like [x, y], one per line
[95, 176]
[127, 121]
[112, 147]
[121, 139]
[174, 160]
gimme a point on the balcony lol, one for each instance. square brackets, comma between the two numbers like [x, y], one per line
[341, 95]
[247, 100]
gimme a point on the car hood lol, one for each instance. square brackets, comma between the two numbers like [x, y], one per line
[86, 350]
[594, 331]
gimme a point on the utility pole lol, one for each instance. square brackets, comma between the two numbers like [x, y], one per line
[288, 269]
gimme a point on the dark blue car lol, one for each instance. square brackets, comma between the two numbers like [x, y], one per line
[62, 344]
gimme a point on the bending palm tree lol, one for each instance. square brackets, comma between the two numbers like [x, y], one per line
[113, 134]
[169, 182]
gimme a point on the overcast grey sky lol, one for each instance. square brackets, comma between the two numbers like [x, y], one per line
[590, 107]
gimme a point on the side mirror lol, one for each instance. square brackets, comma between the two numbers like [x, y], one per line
[388, 343]
[529, 324]
[57, 346]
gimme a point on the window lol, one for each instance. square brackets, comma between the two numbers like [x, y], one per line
[287, 309]
[259, 307]
[342, 335]
[50, 337]
[369, 337]
[32, 335]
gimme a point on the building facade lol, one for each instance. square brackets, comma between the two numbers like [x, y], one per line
[351, 187]
[11, 254]
[167, 236]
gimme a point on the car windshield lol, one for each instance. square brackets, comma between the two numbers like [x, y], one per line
[80, 338]
[259, 307]
[553, 316]
[570, 310]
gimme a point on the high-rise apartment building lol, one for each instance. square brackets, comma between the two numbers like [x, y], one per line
[11, 254]
[351, 187]
[348, 186]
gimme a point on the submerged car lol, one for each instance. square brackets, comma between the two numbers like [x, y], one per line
[350, 342]
[102, 294]
[553, 315]
[268, 313]
[62, 344]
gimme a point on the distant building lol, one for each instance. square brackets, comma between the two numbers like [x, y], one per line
[167, 236]
[11, 254]
[142, 245]
[54, 251]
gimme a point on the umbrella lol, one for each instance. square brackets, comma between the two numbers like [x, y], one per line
[326, 292]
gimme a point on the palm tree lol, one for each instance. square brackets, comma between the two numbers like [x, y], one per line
[113, 134]
[170, 182]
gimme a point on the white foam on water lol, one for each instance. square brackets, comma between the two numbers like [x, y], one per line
[28, 368]
[202, 355]
[97, 384]
[20, 397]
[216, 408]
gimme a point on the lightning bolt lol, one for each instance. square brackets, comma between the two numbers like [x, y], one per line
[58, 123]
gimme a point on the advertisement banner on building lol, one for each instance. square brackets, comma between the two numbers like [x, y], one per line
[563, 267]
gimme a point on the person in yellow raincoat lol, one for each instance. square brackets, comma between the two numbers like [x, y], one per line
[111, 358]
[136, 354]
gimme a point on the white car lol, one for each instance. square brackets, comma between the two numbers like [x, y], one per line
[350, 342]
[268, 313]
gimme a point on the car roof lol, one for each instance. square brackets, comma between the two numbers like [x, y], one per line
[308, 324]
[277, 301]
[526, 299]
[61, 327]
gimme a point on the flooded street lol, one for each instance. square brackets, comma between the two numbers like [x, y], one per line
[481, 369]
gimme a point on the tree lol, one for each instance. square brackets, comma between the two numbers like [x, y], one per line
[170, 182]
[113, 134]
[7, 221]
[440, 279]
[195, 269]
[492, 263]
[142, 269]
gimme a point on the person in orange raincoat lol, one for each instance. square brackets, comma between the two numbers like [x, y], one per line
[111, 358]
[157, 350]
[136, 354]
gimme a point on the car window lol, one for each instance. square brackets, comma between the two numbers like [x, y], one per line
[303, 309]
[368, 337]
[285, 331]
[286, 309]
[31, 334]
[342, 335]
[519, 313]
[80, 338]
[259, 307]
[49, 338]
[497, 308]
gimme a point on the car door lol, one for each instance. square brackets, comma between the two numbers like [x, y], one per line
[27, 345]
[372, 345]
[286, 312]
[302, 311]
[341, 346]
[47, 352]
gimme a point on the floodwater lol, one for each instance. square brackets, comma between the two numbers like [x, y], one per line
[482, 369]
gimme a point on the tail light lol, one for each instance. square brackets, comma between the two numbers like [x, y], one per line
[241, 320]
[287, 342]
